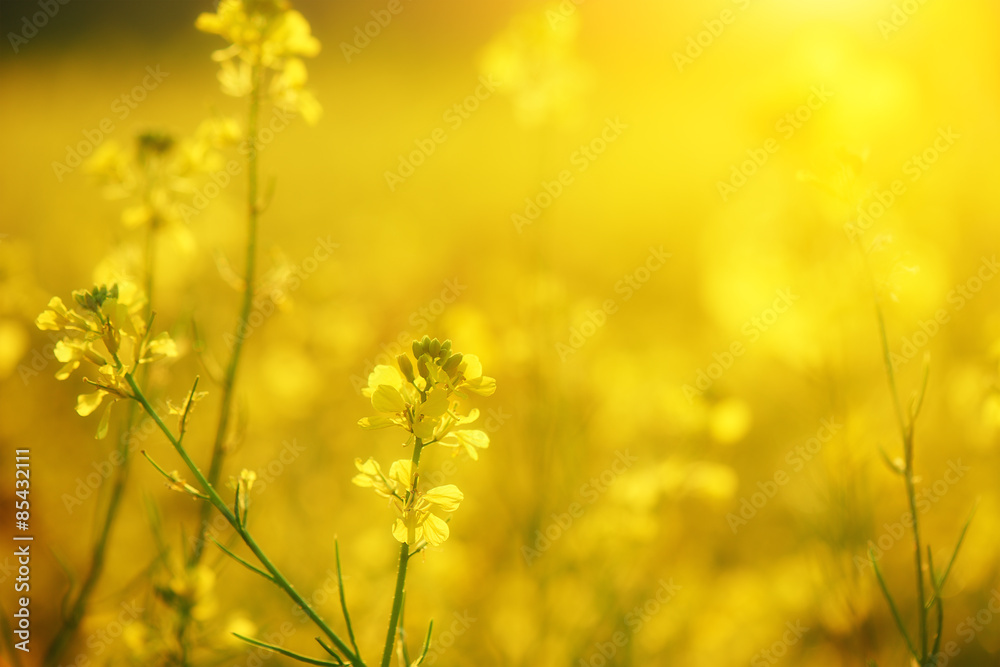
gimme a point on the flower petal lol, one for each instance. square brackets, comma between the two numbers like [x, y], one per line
[388, 399]
[383, 375]
[435, 530]
[401, 472]
[87, 403]
[447, 498]
[372, 423]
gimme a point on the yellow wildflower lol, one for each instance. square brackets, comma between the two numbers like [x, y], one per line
[417, 397]
[109, 333]
[421, 515]
[264, 34]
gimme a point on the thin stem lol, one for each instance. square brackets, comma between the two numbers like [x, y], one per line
[906, 431]
[229, 380]
[223, 509]
[343, 599]
[78, 609]
[404, 558]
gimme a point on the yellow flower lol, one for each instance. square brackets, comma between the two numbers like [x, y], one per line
[470, 439]
[471, 377]
[417, 397]
[420, 515]
[109, 333]
[267, 34]
[534, 59]
[424, 518]
[159, 179]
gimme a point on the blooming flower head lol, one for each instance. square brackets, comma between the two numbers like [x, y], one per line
[265, 34]
[419, 395]
[159, 178]
[421, 515]
[108, 332]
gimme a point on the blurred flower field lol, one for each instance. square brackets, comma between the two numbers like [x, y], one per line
[718, 281]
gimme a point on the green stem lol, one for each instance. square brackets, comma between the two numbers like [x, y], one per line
[229, 380]
[77, 611]
[220, 505]
[404, 559]
[72, 620]
[906, 431]
[911, 494]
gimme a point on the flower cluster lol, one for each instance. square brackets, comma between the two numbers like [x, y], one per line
[418, 395]
[535, 60]
[264, 36]
[421, 514]
[109, 332]
[160, 178]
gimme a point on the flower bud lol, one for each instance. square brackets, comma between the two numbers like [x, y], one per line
[405, 366]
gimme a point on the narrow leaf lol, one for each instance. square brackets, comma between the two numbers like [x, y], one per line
[285, 652]
[254, 568]
[892, 604]
[343, 600]
[329, 650]
[427, 645]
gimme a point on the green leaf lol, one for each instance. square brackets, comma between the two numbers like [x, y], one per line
[241, 561]
[343, 600]
[892, 604]
[285, 652]
[427, 645]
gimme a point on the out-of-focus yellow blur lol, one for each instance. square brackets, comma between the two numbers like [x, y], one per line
[648, 219]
